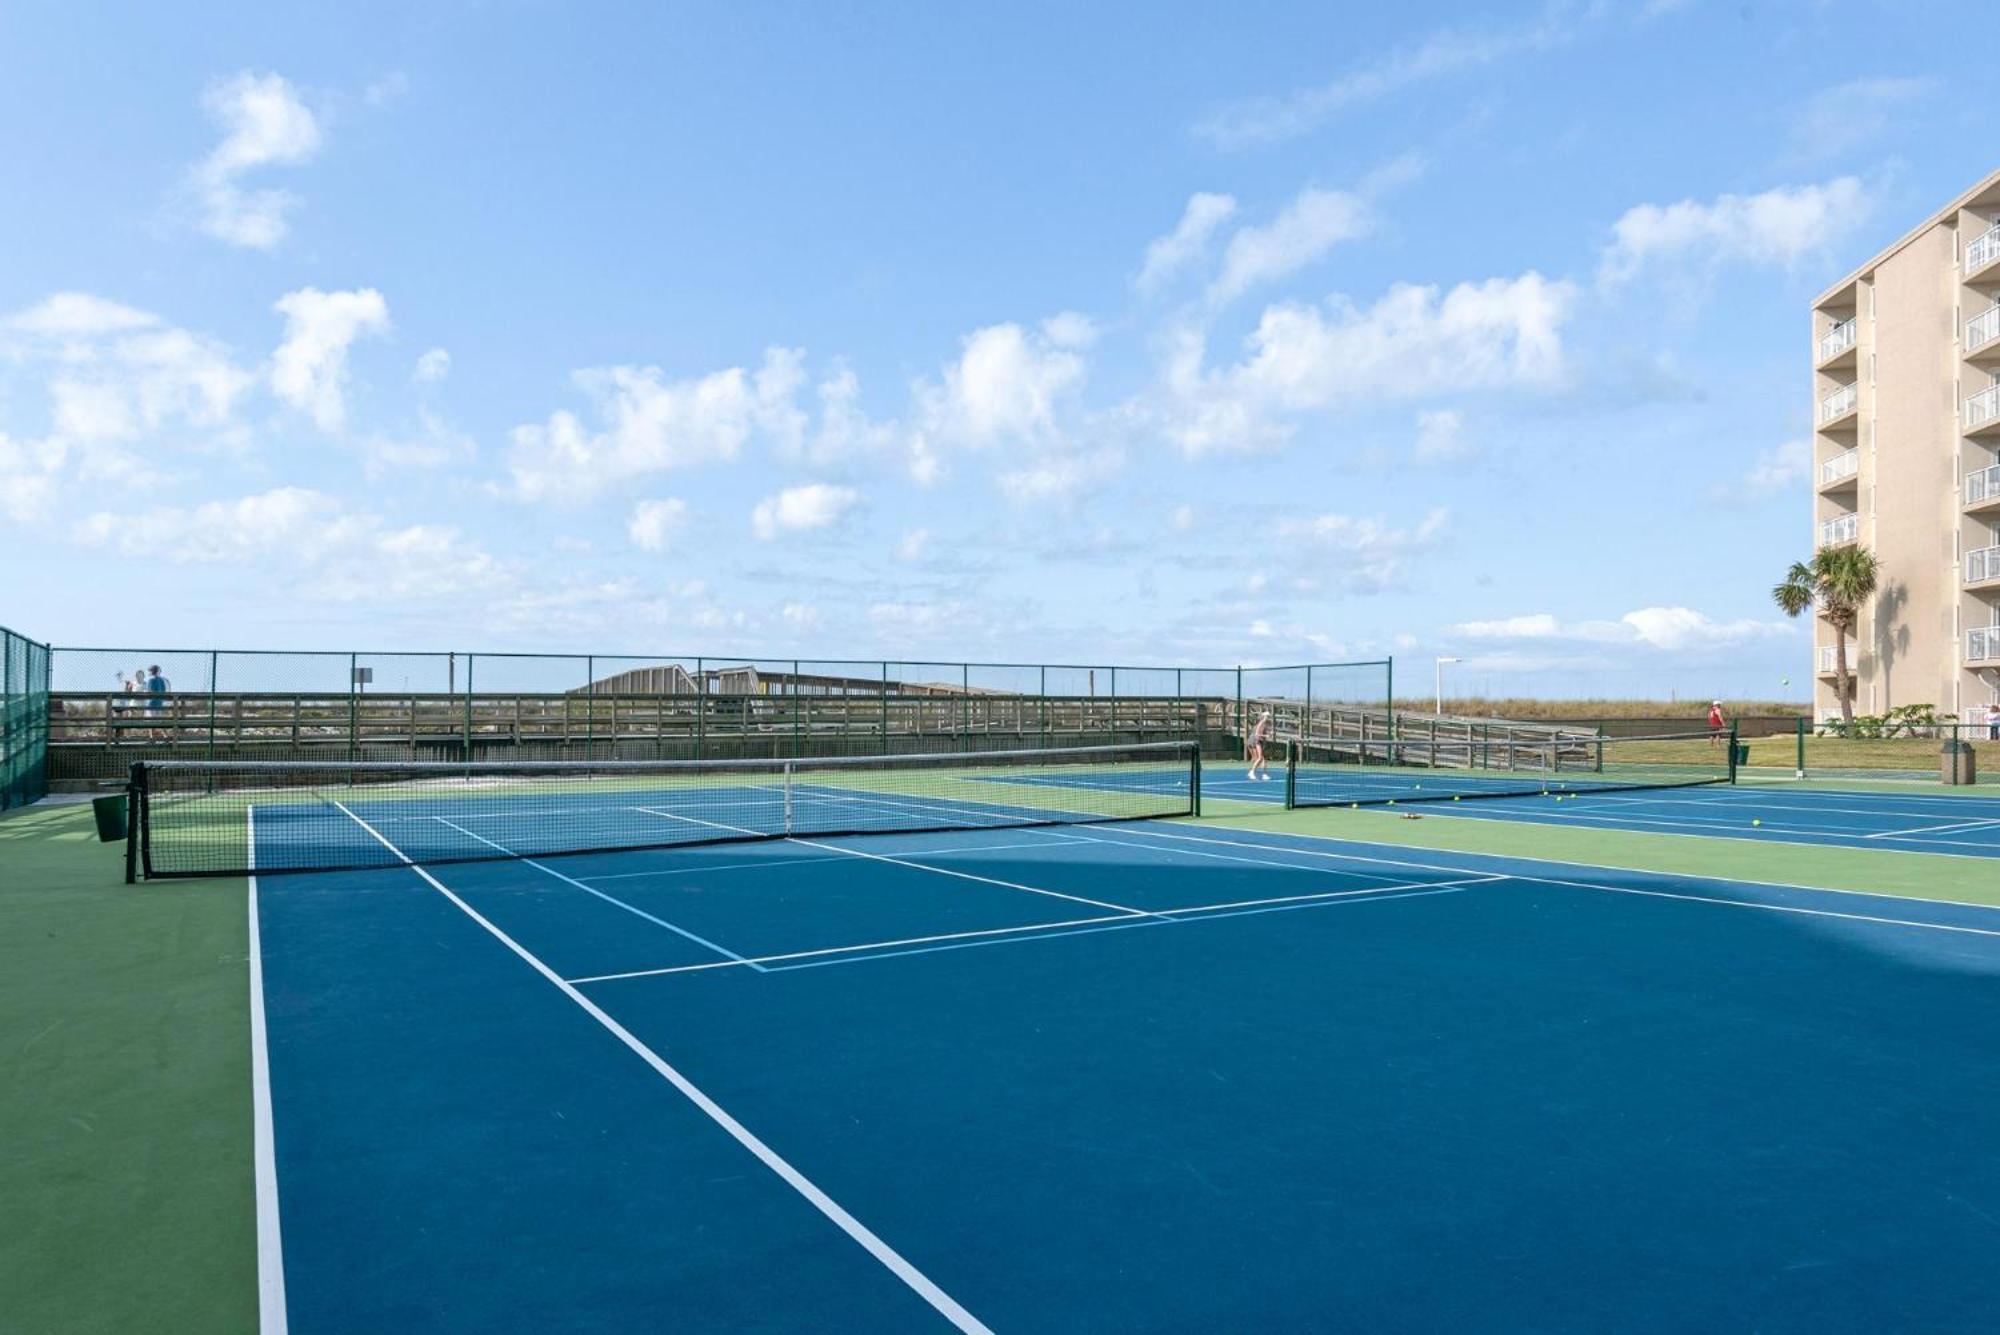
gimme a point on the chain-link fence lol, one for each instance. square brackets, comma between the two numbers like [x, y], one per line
[112, 706]
[24, 719]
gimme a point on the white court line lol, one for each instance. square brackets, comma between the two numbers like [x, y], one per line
[271, 1314]
[1741, 797]
[592, 890]
[1165, 916]
[1693, 827]
[1261, 862]
[890, 1259]
[1935, 829]
[776, 862]
[904, 862]
[970, 876]
[1619, 889]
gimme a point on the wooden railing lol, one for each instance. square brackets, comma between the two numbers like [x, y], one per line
[94, 736]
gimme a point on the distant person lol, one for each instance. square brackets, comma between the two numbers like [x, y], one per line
[157, 687]
[1716, 723]
[1260, 736]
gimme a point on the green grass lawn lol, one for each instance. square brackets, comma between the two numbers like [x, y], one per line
[125, 1161]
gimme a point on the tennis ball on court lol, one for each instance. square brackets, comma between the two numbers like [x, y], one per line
[1756, 822]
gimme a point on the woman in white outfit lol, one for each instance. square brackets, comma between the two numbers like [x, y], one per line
[1259, 736]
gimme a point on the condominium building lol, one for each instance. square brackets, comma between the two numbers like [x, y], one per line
[1906, 461]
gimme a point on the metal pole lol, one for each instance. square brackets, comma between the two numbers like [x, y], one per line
[700, 704]
[214, 683]
[468, 708]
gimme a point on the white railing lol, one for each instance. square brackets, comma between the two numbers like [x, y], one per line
[1983, 249]
[1981, 565]
[1982, 484]
[1833, 532]
[1843, 465]
[1982, 328]
[1837, 339]
[1826, 659]
[1982, 407]
[1982, 644]
[1838, 404]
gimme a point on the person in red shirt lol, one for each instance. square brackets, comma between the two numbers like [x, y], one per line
[1716, 724]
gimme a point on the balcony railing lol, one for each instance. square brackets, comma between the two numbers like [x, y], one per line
[1982, 644]
[1837, 339]
[1843, 465]
[1983, 249]
[1982, 565]
[1833, 532]
[1982, 407]
[1982, 484]
[1839, 403]
[1982, 328]
[1826, 662]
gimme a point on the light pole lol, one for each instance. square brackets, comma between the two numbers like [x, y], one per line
[1440, 682]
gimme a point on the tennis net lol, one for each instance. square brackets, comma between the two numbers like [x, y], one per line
[214, 818]
[1363, 773]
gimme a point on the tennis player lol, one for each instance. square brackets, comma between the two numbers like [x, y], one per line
[1715, 721]
[1259, 736]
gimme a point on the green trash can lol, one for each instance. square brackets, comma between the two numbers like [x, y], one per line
[111, 817]
[1742, 754]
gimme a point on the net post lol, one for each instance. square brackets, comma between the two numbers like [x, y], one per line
[135, 804]
[1733, 727]
[1801, 770]
[1291, 775]
[788, 796]
[1194, 778]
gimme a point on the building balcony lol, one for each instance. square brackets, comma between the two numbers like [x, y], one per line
[1982, 334]
[1838, 472]
[1982, 644]
[1839, 405]
[1835, 532]
[1838, 342]
[1982, 251]
[1982, 566]
[1826, 665]
[1982, 410]
[1982, 489]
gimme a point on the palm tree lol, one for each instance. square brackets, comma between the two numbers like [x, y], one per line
[1839, 580]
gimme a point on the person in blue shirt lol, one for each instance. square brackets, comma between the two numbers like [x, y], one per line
[156, 698]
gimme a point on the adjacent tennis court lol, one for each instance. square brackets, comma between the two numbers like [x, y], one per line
[1038, 1072]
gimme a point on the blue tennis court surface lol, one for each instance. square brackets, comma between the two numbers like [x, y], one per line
[1148, 1076]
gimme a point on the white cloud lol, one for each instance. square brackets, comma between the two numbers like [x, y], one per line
[1842, 118]
[650, 424]
[28, 470]
[337, 554]
[1441, 437]
[655, 524]
[913, 546]
[1671, 629]
[264, 124]
[1187, 243]
[1183, 519]
[817, 505]
[1006, 386]
[1779, 226]
[801, 616]
[434, 443]
[1777, 471]
[309, 369]
[1366, 554]
[846, 434]
[1444, 52]
[1058, 479]
[1413, 342]
[1307, 228]
[79, 315]
[433, 366]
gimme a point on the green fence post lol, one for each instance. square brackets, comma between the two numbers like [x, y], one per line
[1306, 723]
[700, 705]
[1111, 737]
[214, 683]
[1801, 770]
[1042, 705]
[797, 709]
[468, 709]
[965, 706]
[353, 709]
[1389, 673]
[883, 748]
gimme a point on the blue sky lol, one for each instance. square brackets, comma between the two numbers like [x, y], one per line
[1206, 334]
